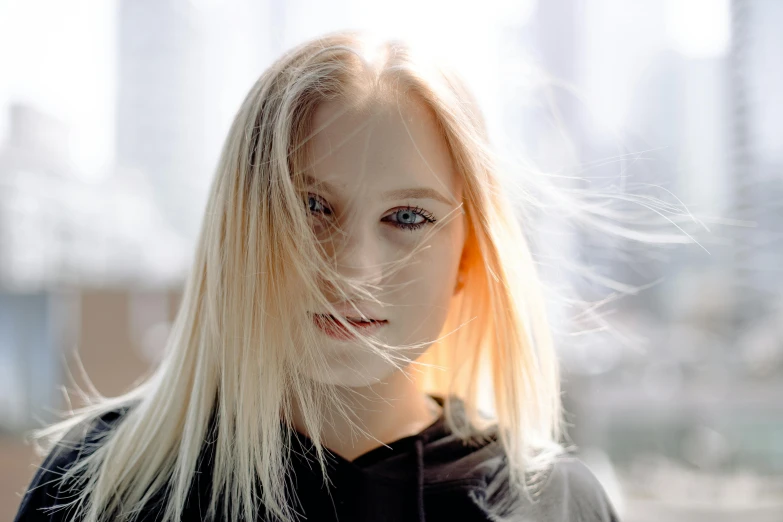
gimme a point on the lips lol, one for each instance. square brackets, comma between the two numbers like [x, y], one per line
[358, 320]
[353, 320]
[329, 325]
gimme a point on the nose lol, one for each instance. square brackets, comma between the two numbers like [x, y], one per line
[359, 257]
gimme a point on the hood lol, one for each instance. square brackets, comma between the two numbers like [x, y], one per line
[392, 482]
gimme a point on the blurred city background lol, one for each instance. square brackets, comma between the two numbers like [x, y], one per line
[112, 115]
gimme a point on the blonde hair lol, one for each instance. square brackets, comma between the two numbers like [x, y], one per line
[234, 350]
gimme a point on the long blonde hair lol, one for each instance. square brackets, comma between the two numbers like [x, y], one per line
[234, 349]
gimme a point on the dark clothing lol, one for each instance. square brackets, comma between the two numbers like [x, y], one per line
[431, 476]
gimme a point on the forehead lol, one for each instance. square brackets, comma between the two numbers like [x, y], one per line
[384, 142]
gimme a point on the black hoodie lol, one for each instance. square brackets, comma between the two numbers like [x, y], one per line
[431, 476]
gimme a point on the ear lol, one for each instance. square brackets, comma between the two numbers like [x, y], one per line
[460, 283]
[462, 273]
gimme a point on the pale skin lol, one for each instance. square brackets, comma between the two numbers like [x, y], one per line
[360, 179]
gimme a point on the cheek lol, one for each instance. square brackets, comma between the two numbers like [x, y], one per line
[421, 308]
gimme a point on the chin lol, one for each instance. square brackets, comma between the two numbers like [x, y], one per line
[355, 372]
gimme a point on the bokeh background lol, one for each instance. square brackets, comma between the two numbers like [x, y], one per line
[670, 310]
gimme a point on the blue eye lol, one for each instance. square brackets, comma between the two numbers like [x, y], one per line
[411, 218]
[318, 205]
[406, 218]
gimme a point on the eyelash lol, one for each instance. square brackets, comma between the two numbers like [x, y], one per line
[428, 218]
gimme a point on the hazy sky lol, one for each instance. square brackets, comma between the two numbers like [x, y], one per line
[59, 56]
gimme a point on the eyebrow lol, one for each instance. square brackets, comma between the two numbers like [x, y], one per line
[407, 193]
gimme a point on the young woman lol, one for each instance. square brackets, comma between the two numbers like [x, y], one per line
[356, 221]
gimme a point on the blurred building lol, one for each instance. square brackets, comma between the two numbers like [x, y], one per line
[60, 237]
[57, 229]
[119, 335]
[162, 127]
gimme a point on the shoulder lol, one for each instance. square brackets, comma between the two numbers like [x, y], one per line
[44, 492]
[567, 491]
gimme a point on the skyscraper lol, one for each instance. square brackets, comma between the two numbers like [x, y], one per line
[161, 123]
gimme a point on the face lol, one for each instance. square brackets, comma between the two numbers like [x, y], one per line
[384, 176]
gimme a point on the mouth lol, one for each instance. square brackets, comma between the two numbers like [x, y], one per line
[331, 327]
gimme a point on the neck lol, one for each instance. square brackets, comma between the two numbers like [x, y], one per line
[383, 412]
